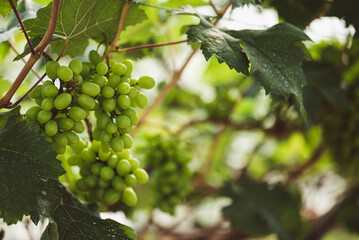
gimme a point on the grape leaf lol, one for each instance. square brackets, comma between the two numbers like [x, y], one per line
[276, 58]
[259, 209]
[240, 3]
[80, 20]
[5, 7]
[50, 232]
[74, 219]
[34, 42]
[27, 161]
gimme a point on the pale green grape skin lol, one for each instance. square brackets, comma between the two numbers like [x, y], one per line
[62, 101]
[65, 123]
[108, 92]
[111, 128]
[133, 93]
[59, 149]
[125, 79]
[31, 113]
[76, 66]
[123, 88]
[60, 139]
[95, 146]
[146, 82]
[106, 147]
[111, 197]
[79, 80]
[123, 121]
[134, 163]
[91, 89]
[133, 82]
[51, 128]
[91, 181]
[141, 175]
[129, 64]
[117, 144]
[78, 147]
[78, 127]
[124, 101]
[130, 180]
[112, 161]
[77, 113]
[85, 70]
[109, 105]
[51, 91]
[74, 160]
[44, 116]
[36, 92]
[103, 183]
[124, 154]
[65, 73]
[102, 120]
[51, 69]
[104, 156]
[119, 68]
[127, 140]
[96, 168]
[101, 68]
[88, 155]
[45, 84]
[123, 167]
[86, 102]
[96, 133]
[128, 130]
[130, 113]
[72, 138]
[100, 80]
[118, 184]
[141, 100]
[114, 80]
[94, 57]
[107, 173]
[105, 137]
[47, 104]
[129, 197]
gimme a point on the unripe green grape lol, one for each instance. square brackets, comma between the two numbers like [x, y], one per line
[127, 140]
[96, 133]
[50, 91]
[133, 82]
[91, 181]
[103, 183]
[134, 104]
[134, 163]
[94, 57]
[102, 120]
[118, 183]
[107, 173]
[125, 79]
[129, 197]
[47, 104]
[60, 139]
[124, 101]
[82, 186]
[130, 180]
[105, 137]
[117, 144]
[112, 62]
[36, 92]
[85, 70]
[114, 80]
[111, 128]
[74, 160]
[141, 175]
[78, 147]
[128, 129]
[77, 113]
[45, 84]
[51, 128]
[133, 93]
[100, 80]
[109, 104]
[146, 82]
[95, 146]
[65, 123]
[88, 155]
[91, 89]
[129, 65]
[62, 101]
[79, 80]
[65, 73]
[71, 137]
[123, 88]
[141, 100]
[44, 116]
[119, 68]
[111, 197]
[123, 167]
[108, 92]
[124, 154]
[104, 156]
[78, 127]
[112, 161]
[86, 102]
[38, 101]
[97, 194]
[96, 168]
[106, 147]
[59, 149]
[123, 121]
[51, 69]
[76, 66]
[101, 68]
[31, 113]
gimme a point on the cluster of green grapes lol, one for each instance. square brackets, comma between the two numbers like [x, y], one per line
[170, 175]
[107, 177]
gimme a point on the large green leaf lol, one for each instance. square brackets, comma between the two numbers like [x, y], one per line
[74, 219]
[259, 209]
[80, 20]
[27, 161]
[50, 232]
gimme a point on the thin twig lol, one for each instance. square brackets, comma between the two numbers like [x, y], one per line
[89, 128]
[214, 7]
[22, 26]
[222, 12]
[130, 49]
[121, 24]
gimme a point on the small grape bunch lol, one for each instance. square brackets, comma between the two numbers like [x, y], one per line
[170, 177]
[107, 177]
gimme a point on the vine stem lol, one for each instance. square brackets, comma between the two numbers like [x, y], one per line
[121, 24]
[130, 49]
[5, 100]
[22, 26]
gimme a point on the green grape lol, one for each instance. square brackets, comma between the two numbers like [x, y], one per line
[130, 180]
[51, 128]
[108, 92]
[94, 57]
[36, 92]
[141, 100]
[86, 102]
[114, 80]
[31, 113]
[112, 161]
[91, 89]
[104, 156]
[128, 130]
[96, 168]
[44, 116]
[59, 149]
[100, 80]
[127, 140]
[85, 70]
[107, 173]
[96, 133]
[111, 197]
[78, 147]
[119, 68]
[84, 171]
[47, 104]
[133, 82]
[132, 94]
[105, 137]
[102, 120]
[66, 123]
[74, 160]
[124, 154]
[123, 167]
[38, 101]
[60, 139]
[88, 155]
[77, 113]
[51, 91]
[91, 181]
[118, 184]
[109, 104]
[103, 183]
[65, 73]
[95, 146]
[123, 121]
[117, 144]
[79, 80]
[106, 147]
[101, 68]
[123, 88]
[51, 69]
[111, 128]
[45, 84]
[62, 101]
[146, 82]
[129, 197]
[78, 127]
[129, 65]
[82, 186]
[72, 138]
[134, 164]
[76, 66]
[124, 101]
[141, 175]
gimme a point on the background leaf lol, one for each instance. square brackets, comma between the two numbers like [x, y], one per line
[5, 7]
[50, 232]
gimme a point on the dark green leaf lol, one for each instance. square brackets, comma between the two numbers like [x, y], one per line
[27, 161]
[240, 3]
[74, 219]
[5, 7]
[80, 20]
[50, 232]
[259, 209]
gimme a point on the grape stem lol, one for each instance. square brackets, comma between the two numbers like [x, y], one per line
[89, 129]
[121, 23]
[130, 49]
[5, 100]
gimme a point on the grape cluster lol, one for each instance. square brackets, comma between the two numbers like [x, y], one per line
[107, 177]
[170, 176]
